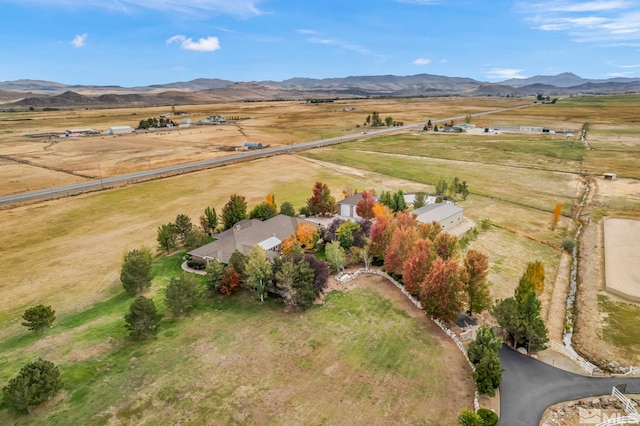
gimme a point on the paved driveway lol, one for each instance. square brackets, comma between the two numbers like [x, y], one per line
[530, 386]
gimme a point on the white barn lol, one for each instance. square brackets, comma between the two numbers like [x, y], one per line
[119, 130]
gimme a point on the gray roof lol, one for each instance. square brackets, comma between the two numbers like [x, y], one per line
[354, 199]
[436, 212]
[246, 234]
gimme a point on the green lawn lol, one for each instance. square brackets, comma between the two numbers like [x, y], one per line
[621, 326]
[356, 358]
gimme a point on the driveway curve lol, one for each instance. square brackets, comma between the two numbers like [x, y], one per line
[530, 386]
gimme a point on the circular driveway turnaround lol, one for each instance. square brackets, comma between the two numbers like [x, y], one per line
[530, 386]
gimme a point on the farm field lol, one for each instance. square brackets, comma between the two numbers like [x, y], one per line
[29, 142]
[67, 253]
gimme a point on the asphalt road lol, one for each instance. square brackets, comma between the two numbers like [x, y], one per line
[530, 386]
[109, 182]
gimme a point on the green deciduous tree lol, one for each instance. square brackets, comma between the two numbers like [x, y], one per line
[167, 237]
[420, 200]
[36, 382]
[39, 318]
[258, 271]
[287, 209]
[474, 278]
[469, 418]
[211, 220]
[143, 318]
[441, 187]
[239, 262]
[336, 256]
[183, 293]
[135, 272]
[215, 269]
[183, 227]
[263, 211]
[234, 211]
[520, 317]
[483, 353]
[345, 234]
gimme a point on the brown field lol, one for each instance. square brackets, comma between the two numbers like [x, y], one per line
[26, 136]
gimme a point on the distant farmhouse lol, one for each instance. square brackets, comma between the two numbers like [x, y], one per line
[78, 132]
[213, 119]
[252, 145]
[268, 235]
[118, 130]
[446, 214]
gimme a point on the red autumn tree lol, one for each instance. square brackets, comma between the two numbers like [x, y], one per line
[446, 245]
[417, 265]
[474, 278]
[365, 206]
[397, 251]
[230, 281]
[321, 201]
[406, 219]
[441, 290]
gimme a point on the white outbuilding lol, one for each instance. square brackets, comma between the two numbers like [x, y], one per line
[119, 130]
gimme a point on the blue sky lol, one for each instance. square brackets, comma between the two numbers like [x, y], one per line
[143, 42]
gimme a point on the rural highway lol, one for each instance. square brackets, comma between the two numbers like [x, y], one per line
[130, 178]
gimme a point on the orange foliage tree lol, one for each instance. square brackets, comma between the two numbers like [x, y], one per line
[401, 243]
[307, 234]
[441, 290]
[230, 281]
[417, 265]
[556, 215]
[474, 277]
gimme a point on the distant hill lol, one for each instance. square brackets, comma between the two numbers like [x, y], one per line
[39, 93]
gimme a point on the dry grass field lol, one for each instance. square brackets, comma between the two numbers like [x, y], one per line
[25, 142]
[67, 252]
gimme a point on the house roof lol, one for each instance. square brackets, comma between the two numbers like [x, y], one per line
[352, 200]
[246, 234]
[436, 212]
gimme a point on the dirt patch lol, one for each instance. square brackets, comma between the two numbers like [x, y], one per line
[622, 260]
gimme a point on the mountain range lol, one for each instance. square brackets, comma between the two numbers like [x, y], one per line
[39, 93]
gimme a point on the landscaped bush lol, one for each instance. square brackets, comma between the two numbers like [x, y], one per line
[489, 418]
[198, 265]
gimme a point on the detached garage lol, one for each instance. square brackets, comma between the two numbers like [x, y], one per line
[446, 214]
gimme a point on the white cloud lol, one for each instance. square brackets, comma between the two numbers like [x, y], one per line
[591, 6]
[339, 43]
[443, 61]
[244, 8]
[621, 74]
[422, 61]
[504, 73]
[630, 66]
[80, 40]
[598, 22]
[207, 44]
[306, 31]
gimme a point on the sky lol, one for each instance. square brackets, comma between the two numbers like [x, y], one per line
[143, 42]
